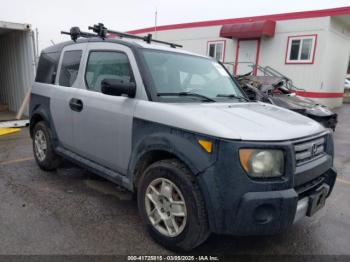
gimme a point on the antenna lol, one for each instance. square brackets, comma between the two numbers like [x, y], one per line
[155, 22]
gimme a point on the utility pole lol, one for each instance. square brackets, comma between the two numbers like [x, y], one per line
[155, 23]
[37, 41]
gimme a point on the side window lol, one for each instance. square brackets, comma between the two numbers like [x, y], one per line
[70, 67]
[47, 67]
[107, 65]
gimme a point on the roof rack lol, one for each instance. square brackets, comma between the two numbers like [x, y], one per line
[101, 31]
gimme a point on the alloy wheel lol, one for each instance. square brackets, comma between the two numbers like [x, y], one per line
[166, 207]
[40, 145]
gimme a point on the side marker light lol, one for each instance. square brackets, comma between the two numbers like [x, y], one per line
[206, 145]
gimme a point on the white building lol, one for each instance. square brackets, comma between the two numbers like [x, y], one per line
[312, 48]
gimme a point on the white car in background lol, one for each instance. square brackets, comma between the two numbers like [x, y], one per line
[347, 82]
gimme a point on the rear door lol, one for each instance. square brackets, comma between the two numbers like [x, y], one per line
[63, 91]
[103, 128]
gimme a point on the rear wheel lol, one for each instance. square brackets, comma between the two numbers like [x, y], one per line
[44, 153]
[171, 205]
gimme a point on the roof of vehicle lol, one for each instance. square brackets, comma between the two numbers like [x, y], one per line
[125, 41]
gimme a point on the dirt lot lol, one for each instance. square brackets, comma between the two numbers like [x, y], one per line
[72, 212]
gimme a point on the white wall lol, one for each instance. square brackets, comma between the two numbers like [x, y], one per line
[273, 51]
[332, 55]
[316, 77]
[336, 58]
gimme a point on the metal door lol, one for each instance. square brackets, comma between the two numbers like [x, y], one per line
[246, 56]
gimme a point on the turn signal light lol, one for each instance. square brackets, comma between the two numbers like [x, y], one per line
[244, 156]
[206, 145]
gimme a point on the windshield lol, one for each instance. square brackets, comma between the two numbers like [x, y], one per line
[175, 73]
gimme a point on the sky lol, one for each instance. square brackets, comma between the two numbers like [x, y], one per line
[52, 16]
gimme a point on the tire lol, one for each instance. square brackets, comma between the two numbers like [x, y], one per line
[48, 160]
[193, 228]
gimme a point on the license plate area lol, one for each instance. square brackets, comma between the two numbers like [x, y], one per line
[317, 199]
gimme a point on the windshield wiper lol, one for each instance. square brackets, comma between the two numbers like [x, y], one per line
[208, 99]
[233, 96]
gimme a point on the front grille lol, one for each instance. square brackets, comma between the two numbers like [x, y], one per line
[309, 150]
[310, 186]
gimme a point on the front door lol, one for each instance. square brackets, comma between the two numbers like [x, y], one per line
[246, 56]
[103, 126]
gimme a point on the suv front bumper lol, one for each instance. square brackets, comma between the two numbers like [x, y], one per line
[271, 212]
[240, 205]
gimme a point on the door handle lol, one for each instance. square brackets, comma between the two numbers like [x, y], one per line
[76, 104]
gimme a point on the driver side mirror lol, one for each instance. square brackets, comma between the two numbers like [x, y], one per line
[116, 87]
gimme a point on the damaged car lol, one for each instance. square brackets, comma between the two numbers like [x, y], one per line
[279, 90]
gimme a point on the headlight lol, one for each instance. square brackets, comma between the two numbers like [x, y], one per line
[262, 163]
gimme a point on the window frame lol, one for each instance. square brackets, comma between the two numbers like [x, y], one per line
[223, 42]
[105, 50]
[58, 76]
[311, 60]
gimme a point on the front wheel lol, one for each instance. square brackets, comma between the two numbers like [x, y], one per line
[172, 207]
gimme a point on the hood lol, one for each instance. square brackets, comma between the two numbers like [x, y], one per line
[294, 102]
[245, 121]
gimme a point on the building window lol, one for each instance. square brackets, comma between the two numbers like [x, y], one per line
[216, 49]
[301, 49]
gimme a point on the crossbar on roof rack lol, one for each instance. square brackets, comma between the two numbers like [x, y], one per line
[102, 31]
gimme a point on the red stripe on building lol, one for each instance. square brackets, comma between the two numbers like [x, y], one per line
[286, 16]
[319, 94]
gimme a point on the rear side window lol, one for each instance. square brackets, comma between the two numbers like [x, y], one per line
[70, 67]
[47, 67]
[107, 65]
